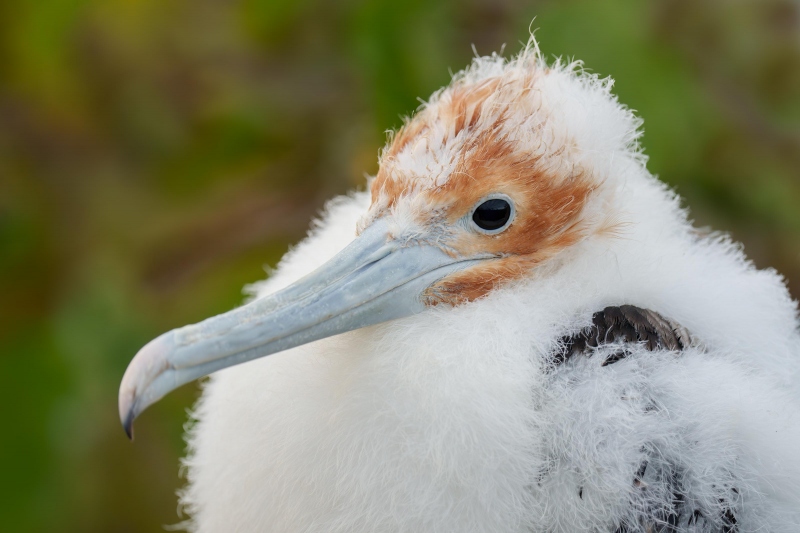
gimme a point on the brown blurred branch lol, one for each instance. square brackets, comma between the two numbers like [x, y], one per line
[245, 222]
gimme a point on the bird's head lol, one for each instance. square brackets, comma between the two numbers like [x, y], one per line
[500, 172]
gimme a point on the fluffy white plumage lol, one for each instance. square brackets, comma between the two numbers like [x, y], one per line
[452, 420]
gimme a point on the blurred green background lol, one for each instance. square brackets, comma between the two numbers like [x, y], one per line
[154, 155]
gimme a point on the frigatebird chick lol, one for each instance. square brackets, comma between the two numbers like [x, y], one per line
[516, 329]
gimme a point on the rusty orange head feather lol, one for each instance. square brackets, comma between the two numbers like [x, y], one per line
[497, 130]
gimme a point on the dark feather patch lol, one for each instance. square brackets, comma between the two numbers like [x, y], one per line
[625, 324]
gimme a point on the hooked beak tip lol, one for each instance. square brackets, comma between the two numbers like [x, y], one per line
[127, 410]
[127, 424]
[135, 392]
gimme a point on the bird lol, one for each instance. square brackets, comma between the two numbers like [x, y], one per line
[515, 327]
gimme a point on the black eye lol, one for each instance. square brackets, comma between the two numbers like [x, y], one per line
[492, 214]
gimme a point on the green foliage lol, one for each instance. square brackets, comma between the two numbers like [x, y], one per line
[154, 155]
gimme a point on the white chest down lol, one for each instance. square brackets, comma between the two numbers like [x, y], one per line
[632, 435]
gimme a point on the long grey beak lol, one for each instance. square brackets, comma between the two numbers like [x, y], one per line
[371, 281]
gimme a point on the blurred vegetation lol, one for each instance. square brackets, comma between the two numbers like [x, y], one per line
[155, 155]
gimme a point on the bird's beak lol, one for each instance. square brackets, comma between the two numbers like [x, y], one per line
[373, 280]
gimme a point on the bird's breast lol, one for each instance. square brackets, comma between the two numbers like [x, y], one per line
[404, 423]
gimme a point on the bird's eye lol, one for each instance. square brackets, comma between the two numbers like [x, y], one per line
[492, 215]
